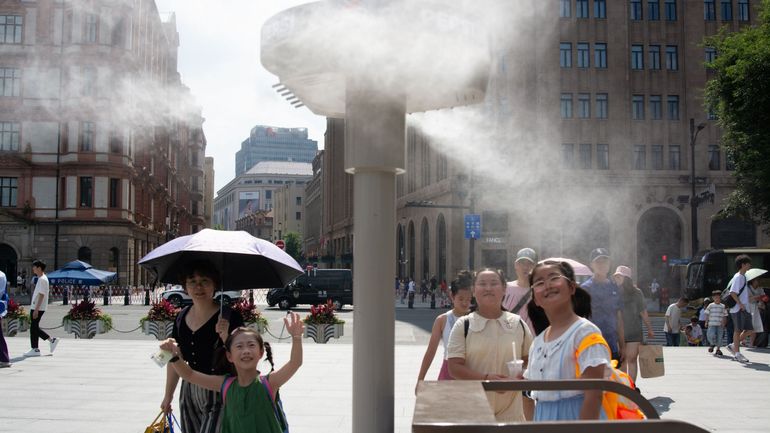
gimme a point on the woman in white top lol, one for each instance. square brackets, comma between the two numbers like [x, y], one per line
[482, 352]
[553, 351]
[461, 304]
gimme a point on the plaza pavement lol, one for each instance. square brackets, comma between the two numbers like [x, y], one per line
[111, 385]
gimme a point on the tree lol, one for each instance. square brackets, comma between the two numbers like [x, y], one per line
[740, 96]
[293, 244]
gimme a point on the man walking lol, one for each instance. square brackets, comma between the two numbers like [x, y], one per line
[741, 318]
[606, 302]
[672, 327]
[5, 360]
[37, 309]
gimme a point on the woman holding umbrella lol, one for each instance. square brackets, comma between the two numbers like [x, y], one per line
[200, 330]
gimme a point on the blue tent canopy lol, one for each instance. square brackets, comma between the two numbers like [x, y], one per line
[77, 273]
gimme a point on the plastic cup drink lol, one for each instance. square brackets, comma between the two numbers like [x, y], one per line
[161, 357]
[515, 368]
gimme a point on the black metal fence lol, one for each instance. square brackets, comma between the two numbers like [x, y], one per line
[128, 295]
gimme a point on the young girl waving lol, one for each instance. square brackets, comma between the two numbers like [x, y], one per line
[461, 304]
[249, 400]
[571, 347]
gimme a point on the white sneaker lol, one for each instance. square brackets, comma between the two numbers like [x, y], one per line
[5, 364]
[32, 352]
[730, 348]
[53, 342]
[740, 358]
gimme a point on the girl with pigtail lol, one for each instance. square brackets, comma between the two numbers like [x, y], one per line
[250, 402]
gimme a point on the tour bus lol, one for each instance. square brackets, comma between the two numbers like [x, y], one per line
[714, 269]
[314, 287]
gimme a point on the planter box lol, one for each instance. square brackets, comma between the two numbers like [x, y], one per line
[258, 326]
[84, 328]
[321, 333]
[11, 327]
[161, 329]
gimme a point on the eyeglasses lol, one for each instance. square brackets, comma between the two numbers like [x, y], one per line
[553, 279]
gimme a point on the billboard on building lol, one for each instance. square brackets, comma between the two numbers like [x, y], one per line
[248, 202]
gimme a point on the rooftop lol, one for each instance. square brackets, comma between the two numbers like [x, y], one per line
[282, 167]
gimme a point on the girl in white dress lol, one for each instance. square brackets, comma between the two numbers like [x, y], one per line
[460, 294]
[553, 353]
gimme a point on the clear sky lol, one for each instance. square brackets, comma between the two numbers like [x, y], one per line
[219, 60]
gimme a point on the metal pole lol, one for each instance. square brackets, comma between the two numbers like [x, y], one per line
[693, 203]
[472, 211]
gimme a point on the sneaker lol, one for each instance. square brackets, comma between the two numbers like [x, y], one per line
[711, 349]
[53, 342]
[5, 364]
[718, 353]
[740, 358]
[32, 352]
[730, 348]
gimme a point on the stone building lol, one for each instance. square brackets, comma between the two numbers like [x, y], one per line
[101, 148]
[271, 143]
[313, 212]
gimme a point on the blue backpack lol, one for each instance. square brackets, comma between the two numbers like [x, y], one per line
[277, 404]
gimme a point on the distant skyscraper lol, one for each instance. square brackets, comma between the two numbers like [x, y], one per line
[268, 143]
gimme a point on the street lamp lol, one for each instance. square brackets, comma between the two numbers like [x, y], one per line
[280, 225]
[694, 130]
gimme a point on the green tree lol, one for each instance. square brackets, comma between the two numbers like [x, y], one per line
[293, 244]
[740, 96]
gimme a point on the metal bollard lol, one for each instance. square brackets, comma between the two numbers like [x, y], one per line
[146, 297]
[251, 296]
[125, 296]
[106, 297]
[65, 296]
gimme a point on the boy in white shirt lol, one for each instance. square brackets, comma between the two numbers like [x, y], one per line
[741, 318]
[37, 309]
[716, 319]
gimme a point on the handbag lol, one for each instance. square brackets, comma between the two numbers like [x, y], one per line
[159, 425]
[651, 361]
[728, 300]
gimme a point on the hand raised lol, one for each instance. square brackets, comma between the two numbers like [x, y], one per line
[293, 324]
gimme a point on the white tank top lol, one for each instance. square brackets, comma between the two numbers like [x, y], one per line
[450, 322]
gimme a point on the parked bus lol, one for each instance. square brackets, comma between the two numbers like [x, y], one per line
[714, 269]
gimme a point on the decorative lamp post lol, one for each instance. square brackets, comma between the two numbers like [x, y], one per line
[694, 130]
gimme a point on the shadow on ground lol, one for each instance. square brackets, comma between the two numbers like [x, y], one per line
[661, 404]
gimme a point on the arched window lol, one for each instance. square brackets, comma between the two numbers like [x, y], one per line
[441, 247]
[658, 234]
[732, 233]
[412, 252]
[425, 249]
[84, 254]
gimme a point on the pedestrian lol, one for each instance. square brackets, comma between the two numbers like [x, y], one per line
[251, 402]
[634, 312]
[411, 293]
[606, 302]
[739, 314]
[570, 348]
[37, 308]
[424, 289]
[484, 351]
[716, 319]
[402, 288]
[444, 295]
[200, 331]
[5, 360]
[701, 313]
[693, 332]
[517, 292]
[755, 295]
[442, 326]
[671, 326]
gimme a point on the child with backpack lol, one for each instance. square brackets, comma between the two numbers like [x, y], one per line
[570, 347]
[251, 401]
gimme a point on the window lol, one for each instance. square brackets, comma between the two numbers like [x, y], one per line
[670, 6]
[712, 114]
[86, 136]
[114, 192]
[585, 156]
[581, 8]
[565, 9]
[714, 162]
[298, 201]
[88, 74]
[637, 107]
[637, 57]
[567, 155]
[8, 190]
[636, 9]
[672, 59]
[10, 29]
[653, 10]
[654, 57]
[89, 33]
[601, 105]
[10, 81]
[566, 105]
[729, 162]
[583, 55]
[709, 10]
[600, 9]
[298, 216]
[673, 107]
[603, 156]
[63, 192]
[584, 105]
[565, 54]
[743, 10]
[116, 143]
[600, 55]
[9, 136]
[640, 157]
[726, 7]
[711, 55]
[674, 157]
[268, 194]
[656, 108]
[657, 156]
[86, 191]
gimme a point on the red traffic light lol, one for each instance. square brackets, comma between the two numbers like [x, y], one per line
[664, 258]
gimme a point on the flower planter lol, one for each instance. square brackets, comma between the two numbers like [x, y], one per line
[11, 327]
[161, 329]
[258, 326]
[321, 333]
[84, 328]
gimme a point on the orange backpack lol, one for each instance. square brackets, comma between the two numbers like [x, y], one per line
[615, 406]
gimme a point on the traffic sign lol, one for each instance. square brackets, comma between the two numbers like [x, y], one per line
[280, 244]
[472, 226]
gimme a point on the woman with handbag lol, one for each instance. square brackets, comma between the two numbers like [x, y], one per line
[634, 312]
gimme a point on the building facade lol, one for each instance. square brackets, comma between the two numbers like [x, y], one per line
[255, 189]
[208, 202]
[101, 151]
[288, 202]
[313, 212]
[270, 143]
[336, 250]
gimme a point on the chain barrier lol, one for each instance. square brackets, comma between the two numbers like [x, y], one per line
[49, 329]
[283, 328]
[125, 332]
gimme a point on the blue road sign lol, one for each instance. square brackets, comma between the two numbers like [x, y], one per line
[472, 226]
